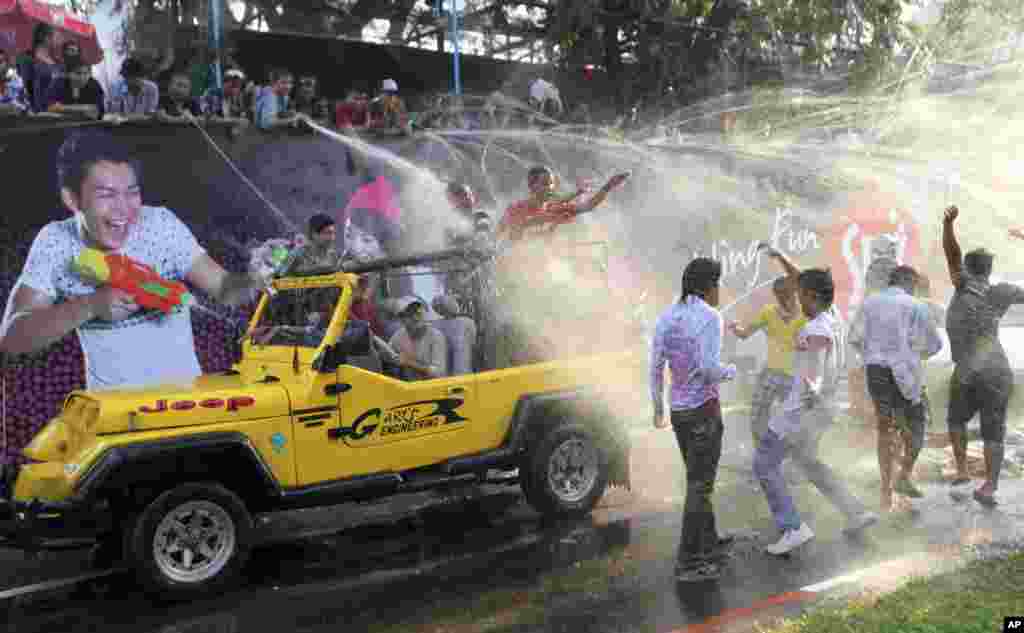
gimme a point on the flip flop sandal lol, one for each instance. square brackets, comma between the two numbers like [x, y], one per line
[986, 500]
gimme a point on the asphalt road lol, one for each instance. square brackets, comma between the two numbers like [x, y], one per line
[400, 568]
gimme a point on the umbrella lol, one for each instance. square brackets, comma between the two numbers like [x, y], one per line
[19, 17]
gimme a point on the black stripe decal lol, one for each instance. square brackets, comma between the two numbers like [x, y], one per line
[310, 418]
[328, 408]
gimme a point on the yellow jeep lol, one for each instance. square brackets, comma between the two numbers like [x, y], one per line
[169, 479]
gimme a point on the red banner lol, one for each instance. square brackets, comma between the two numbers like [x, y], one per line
[19, 17]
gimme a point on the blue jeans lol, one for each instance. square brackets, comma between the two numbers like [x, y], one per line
[802, 446]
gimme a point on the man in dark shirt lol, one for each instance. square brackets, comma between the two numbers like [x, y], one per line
[982, 380]
[178, 103]
[77, 93]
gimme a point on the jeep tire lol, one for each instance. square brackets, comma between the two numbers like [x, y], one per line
[565, 473]
[190, 541]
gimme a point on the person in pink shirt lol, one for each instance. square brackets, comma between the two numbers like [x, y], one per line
[688, 338]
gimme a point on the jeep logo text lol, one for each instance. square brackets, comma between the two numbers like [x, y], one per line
[233, 403]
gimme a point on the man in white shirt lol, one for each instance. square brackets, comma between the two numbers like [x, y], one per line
[99, 183]
[898, 330]
[809, 411]
[542, 92]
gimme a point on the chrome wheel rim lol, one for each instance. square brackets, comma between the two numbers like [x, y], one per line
[194, 542]
[572, 470]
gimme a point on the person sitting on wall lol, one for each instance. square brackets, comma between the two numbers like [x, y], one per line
[227, 105]
[306, 94]
[387, 112]
[177, 105]
[77, 94]
[100, 183]
[13, 101]
[134, 97]
[273, 110]
[38, 67]
[353, 113]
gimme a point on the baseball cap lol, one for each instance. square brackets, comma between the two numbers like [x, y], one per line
[389, 85]
[234, 73]
[406, 305]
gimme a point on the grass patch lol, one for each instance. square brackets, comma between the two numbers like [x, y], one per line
[974, 599]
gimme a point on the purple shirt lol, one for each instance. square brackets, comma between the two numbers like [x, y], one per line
[688, 336]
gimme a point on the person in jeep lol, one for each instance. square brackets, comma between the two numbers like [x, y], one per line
[100, 183]
[420, 350]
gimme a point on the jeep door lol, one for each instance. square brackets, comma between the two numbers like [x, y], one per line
[388, 425]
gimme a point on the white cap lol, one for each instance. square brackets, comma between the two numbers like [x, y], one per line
[234, 72]
[389, 85]
[404, 303]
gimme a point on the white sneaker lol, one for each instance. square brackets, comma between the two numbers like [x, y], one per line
[791, 540]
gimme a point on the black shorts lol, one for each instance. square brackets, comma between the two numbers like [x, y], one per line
[890, 401]
[984, 393]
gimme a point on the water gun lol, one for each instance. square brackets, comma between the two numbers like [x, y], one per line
[145, 285]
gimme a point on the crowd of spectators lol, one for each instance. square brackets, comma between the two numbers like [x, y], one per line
[52, 81]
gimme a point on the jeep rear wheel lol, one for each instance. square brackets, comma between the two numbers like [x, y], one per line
[190, 541]
[567, 472]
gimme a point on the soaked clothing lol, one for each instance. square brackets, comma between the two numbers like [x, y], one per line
[986, 393]
[898, 331]
[699, 434]
[982, 380]
[781, 337]
[972, 323]
[802, 447]
[772, 386]
[893, 407]
[688, 338]
[796, 431]
[815, 374]
[521, 215]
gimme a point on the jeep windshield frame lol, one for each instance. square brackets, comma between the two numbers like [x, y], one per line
[276, 349]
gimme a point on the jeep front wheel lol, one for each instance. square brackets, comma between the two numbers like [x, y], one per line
[190, 541]
[567, 472]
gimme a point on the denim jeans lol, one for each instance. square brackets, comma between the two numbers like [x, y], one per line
[802, 446]
[699, 434]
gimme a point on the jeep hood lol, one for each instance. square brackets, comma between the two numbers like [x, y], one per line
[206, 400]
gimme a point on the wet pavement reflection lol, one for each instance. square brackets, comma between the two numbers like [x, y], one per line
[493, 564]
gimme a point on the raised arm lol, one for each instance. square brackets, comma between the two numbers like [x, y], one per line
[792, 272]
[954, 258]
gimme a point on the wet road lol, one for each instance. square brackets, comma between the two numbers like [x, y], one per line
[489, 563]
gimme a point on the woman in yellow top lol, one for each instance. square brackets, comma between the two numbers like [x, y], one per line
[781, 322]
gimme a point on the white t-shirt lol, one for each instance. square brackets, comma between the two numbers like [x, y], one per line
[147, 348]
[541, 91]
[796, 412]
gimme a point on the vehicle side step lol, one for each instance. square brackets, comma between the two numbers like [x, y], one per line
[491, 459]
[425, 481]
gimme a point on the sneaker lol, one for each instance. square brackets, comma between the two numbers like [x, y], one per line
[860, 523]
[791, 540]
[700, 573]
[904, 487]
